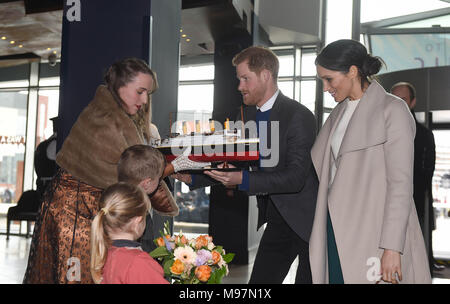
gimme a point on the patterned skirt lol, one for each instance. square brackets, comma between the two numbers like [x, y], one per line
[60, 248]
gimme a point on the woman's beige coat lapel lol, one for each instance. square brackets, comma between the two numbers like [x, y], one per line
[360, 194]
[366, 127]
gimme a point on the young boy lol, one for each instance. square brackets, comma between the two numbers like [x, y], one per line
[143, 166]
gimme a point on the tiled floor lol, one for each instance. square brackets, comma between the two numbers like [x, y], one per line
[14, 256]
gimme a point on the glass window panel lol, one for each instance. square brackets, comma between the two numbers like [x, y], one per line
[13, 116]
[198, 72]
[308, 94]
[193, 205]
[411, 51]
[48, 104]
[328, 101]
[441, 116]
[325, 117]
[297, 91]
[287, 88]
[195, 102]
[382, 9]
[420, 117]
[196, 98]
[50, 81]
[286, 65]
[308, 66]
[441, 193]
[338, 20]
[14, 84]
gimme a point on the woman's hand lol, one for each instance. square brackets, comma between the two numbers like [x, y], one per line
[182, 163]
[391, 266]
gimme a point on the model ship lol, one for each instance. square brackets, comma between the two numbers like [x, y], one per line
[210, 146]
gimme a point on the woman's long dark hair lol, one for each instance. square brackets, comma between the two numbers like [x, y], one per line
[340, 55]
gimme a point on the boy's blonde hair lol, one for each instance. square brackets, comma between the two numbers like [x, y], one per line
[119, 204]
[139, 162]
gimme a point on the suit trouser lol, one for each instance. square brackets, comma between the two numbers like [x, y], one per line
[278, 248]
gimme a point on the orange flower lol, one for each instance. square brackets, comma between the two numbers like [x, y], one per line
[177, 267]
[181, 239]
[216, 257]
[160, 241]
[203, 273]
[201, 241]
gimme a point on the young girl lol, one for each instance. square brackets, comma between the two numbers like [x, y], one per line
[116, 257]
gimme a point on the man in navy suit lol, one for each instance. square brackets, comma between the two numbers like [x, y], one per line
[284, 181]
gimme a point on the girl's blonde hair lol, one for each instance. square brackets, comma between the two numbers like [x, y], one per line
[119, 204]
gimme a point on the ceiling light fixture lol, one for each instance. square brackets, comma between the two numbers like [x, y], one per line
[184, 35]
[3, 38]
[188, 39]
[12, 42]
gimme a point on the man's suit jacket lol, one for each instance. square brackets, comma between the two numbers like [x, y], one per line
[424, 164]
[291, 184]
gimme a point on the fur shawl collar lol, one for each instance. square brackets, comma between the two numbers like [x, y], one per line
[93, 147]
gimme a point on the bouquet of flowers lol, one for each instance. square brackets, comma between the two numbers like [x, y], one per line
[191, 261]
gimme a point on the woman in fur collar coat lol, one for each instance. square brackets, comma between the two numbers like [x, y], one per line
[118, 117]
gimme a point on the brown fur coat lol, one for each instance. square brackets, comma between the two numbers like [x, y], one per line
[101, 133]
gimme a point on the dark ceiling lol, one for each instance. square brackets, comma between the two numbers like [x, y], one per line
[33, 27]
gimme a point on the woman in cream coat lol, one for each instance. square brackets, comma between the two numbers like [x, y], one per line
[366, 228]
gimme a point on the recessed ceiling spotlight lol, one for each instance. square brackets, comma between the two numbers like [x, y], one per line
[3, 38]
[20, 45]
[48, 49]
[181, 30]
[12, 42]
[184, 35]
[188, 39]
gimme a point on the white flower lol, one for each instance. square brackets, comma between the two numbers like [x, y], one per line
[211, 246]
[185, 254]
[222, 263]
